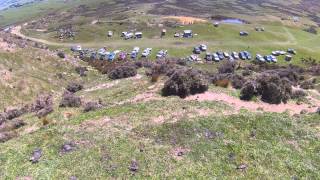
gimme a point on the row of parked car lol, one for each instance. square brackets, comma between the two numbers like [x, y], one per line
[103, 54]
[219, 56]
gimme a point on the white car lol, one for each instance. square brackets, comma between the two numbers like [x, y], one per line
[216, 57]
[260, 58]
[235, 55]
[146, 52]
[226, 55]
[274, 59]
[136, 49]
[203, 47]
[162, 54]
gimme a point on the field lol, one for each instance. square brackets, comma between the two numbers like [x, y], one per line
[138, 133]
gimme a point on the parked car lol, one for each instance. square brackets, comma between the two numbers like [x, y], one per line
[111, 56]
[226, 55]
[137, 49]
[76, 48]
[203, 47]
[146, 52]
[209, 57]
[260, 58]
[216, 57]
[288, 58]
[235, 55]
[162, 54]
[128, 36]
[134, 54]
[282, 53]
[122, 56]
[268, 58]
[196, 50]
[247, 55]
[274, 59]
[242, 55]
[176, 35]
[220, 55]
[292, 51]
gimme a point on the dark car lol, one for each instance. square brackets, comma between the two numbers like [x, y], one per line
[220, 55]
[247, 55]
[197, 50]
[242, 55]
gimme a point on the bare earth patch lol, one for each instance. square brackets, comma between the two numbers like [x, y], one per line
[253, 106]
[4, 46]
[102, 86]
[179, 152]
[186, 20]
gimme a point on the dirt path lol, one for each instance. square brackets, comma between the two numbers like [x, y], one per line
[253, 106]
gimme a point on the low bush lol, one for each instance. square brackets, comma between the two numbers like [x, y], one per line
[237, 81]
[248, 91]
[92, 106]
[61, 54]
[274, 89]
[298, 94]
[123, 72]
[70, 100]
[227, 67]
[308, 84]
[81, 71]
[185, 82]
[74, 87]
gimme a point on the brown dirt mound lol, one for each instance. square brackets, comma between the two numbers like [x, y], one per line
[186, 20]
[253, 106]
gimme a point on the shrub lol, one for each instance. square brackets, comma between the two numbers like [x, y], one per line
[298, 94]
[227, 67]
[12, 125]
[81, 71]
[42, 101]
[123, 72]
[61, 55]
[307, 85]
[185, 82]
[70, 100]
[14, 113]
[74, 87]
[248, 91]
[92, 106]
[273, 89]
[6, 136]
[237, 81]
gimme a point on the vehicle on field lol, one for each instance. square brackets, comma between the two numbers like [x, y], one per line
[209, 57]
[216, 57]
[122, 56]
[242, 55]
[226, 55]
[196, 50]
[220, 55]
[203, 47]
[176, 35]
[235, 55]
[260, 58]
[244, 33]
[162, 54]
[247, 55]
[288, 58]
[292, 51]
[146, 52]
[76, 48]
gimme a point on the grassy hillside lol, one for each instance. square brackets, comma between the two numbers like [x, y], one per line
[306, 8]
[167, 137]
